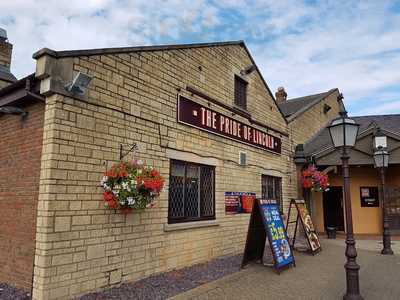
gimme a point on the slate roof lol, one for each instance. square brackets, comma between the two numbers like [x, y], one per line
[292, 108]
[6, 75]
[322, 140]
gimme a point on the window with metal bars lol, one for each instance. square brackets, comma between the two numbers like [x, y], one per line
[191, 192]
[271, 188]
[240, 92]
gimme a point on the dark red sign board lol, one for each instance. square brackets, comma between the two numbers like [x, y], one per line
[196, 115]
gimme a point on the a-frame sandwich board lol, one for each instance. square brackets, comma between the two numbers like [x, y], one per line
[303, 217]
[266, 222]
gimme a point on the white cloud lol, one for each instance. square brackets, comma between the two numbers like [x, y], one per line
[308, 48]
[76, 24]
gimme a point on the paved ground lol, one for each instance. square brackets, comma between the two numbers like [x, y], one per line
[371, 245]
[315, 277]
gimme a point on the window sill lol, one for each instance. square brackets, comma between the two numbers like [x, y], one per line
[241, 111]
[190, 225]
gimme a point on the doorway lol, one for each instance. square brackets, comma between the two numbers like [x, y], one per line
[333, 208]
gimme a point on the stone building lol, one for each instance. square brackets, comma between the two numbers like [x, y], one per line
[58, 141]
[306, 116]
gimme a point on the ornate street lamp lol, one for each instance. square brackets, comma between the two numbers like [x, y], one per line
[381, 160]
[343, 132]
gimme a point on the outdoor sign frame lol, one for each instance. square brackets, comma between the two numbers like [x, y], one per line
[259, 230]
[307, 231]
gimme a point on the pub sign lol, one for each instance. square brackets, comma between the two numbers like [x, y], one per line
[199, 116]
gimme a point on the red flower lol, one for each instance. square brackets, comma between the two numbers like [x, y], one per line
[154, 173]
[312, 178]
[154, 184]
[307, 183]
[149, 184]
[109, 197]
[122, 170]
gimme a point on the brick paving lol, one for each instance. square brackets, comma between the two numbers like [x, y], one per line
[315, 277]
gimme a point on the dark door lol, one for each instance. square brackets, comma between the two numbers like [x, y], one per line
[333, 208]
[392, 198]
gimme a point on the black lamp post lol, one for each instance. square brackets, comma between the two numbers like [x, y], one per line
[343, 132]
[381, 160]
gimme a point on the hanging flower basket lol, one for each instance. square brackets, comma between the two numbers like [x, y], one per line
[131, 186]
[315, 180]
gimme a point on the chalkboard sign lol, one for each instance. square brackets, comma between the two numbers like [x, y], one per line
[308, 227]
[266, 221]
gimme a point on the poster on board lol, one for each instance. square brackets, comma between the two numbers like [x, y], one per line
[266, 222]
[238, 202]
[369, 196]
[303, 216]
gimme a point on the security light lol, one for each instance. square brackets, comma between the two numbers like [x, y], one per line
[13, 110]
[248, 70]
[380, 140]
[79, 84]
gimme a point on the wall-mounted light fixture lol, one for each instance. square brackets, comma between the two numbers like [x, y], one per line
[326, 108]
[13, 110]
[79, 84]
[248, 70]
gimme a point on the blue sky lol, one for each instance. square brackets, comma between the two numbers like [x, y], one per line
[305, 46]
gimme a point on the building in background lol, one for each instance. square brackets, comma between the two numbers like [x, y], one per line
[57, 143]
[6, 77]
[306, 116]
[364, 177]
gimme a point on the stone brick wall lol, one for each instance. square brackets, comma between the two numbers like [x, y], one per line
[20, 154]
[314, 119]
[3, 84]
[81, 246]
[308, 124]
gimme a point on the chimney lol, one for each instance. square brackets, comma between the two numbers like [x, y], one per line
[281, 95]
[5, 60]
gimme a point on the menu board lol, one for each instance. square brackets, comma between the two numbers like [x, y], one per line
[308, 225]
[239, 202]
[276, 233]
[266, 222]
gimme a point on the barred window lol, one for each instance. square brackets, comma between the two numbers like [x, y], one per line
[191, 192]
[240, 92]
[272, 189]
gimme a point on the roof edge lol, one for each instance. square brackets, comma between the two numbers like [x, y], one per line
[305, 108]
[19, 83]
[117, 50]
[265, 83]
